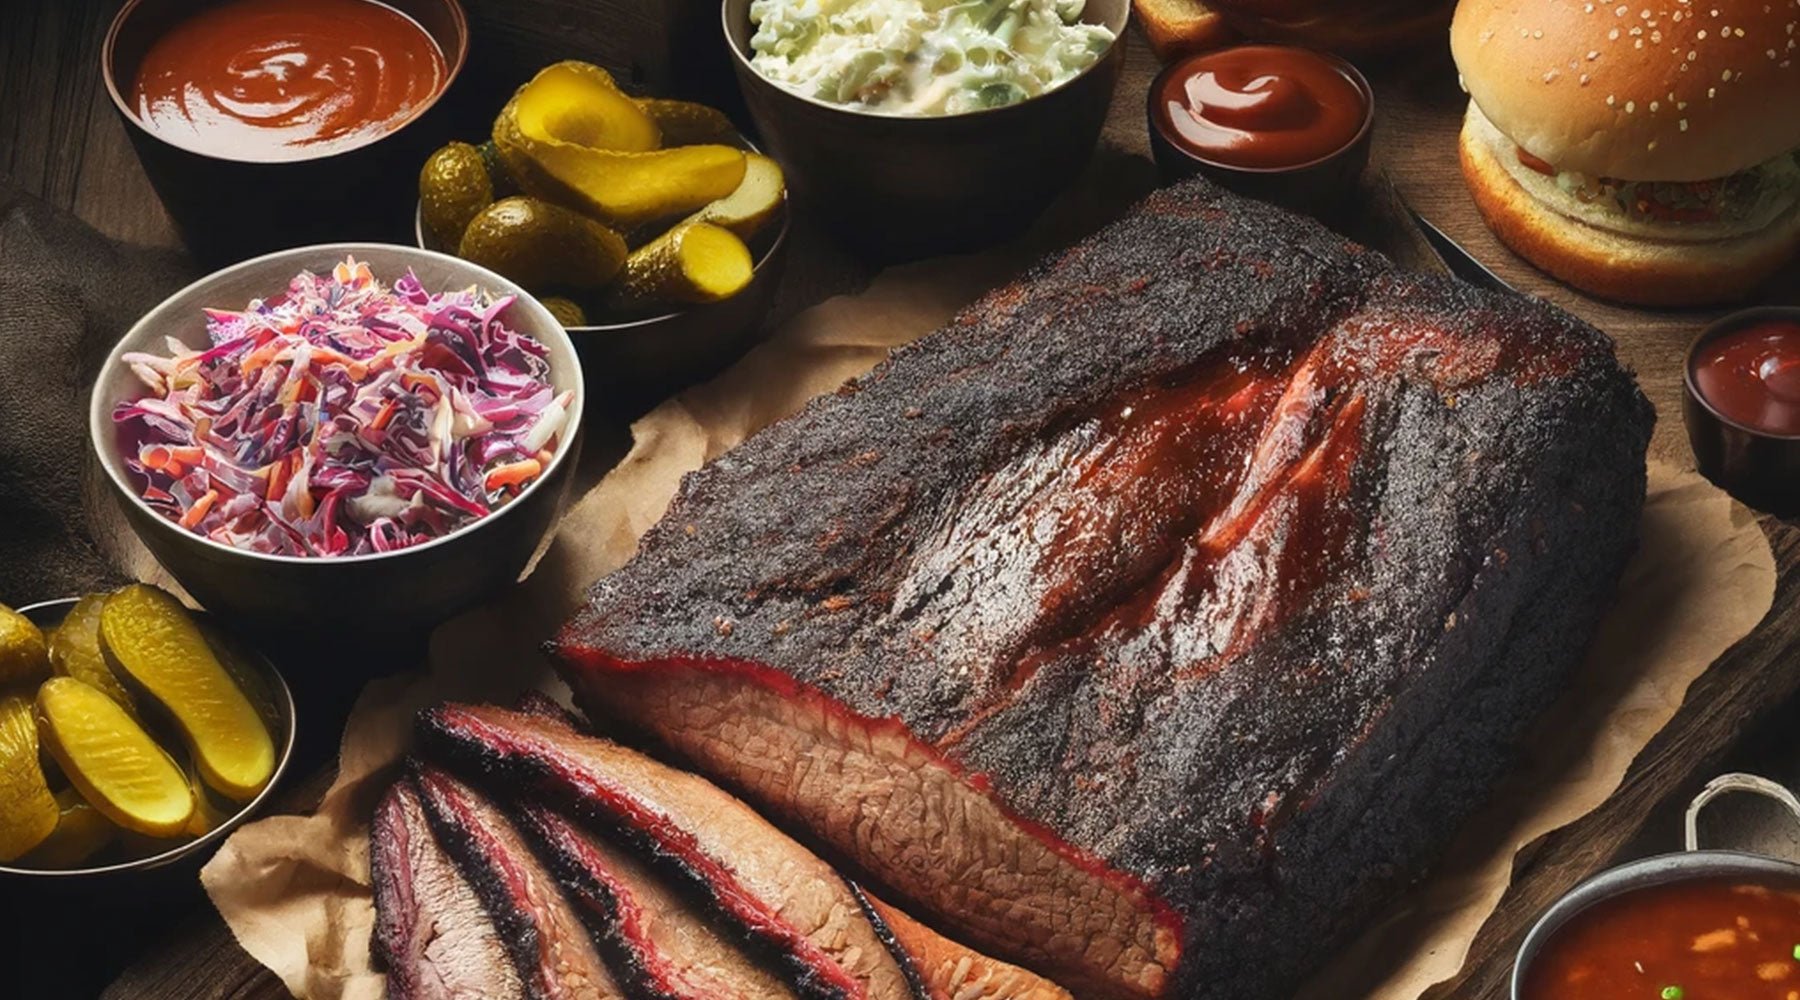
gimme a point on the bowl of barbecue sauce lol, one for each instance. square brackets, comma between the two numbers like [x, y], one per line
[1696, 925]
[267, 124]
[1276, 122]
[1742, 407]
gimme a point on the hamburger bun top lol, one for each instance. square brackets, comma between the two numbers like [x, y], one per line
[1647, 90]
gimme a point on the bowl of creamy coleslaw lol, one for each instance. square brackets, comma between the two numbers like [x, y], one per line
[925, 126]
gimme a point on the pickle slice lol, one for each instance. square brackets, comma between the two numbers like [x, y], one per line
[755, 202]
[28, 811]
[109, 758]
[207, 814]
[694, 262]
[75, 650]
[81, 832]
[23, 658]
[684, 123]
[150, 639]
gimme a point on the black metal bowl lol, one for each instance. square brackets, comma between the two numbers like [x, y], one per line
[1759, 468]
[1693, 863]
[228, 209]
[897, 187]
[633, 364]
[1320, 188]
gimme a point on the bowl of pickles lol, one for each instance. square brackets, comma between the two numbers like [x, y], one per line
[652, 228]
[133, 734]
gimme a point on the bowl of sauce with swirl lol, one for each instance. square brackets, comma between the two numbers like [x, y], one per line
[1276, 122]
[265, 124]
[1742, 406]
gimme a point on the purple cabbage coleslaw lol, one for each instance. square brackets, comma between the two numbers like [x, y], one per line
[343, 417]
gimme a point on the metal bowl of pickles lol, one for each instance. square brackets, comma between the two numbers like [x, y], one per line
[652, 228]
[134, 735]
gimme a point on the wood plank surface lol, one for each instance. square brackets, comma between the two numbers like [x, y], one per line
[60, 137]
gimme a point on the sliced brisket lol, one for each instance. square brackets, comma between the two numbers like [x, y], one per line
[548, 942]
[788, 904]
[431, 933]
[1155, 620]
[656, 937]
[945, 970]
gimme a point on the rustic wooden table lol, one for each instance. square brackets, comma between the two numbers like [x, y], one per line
[60, 138]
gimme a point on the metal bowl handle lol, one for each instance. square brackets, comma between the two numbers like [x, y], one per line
[1735, 783]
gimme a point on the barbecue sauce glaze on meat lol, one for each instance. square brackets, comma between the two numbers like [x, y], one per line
[1223, 497]
[1156, 620]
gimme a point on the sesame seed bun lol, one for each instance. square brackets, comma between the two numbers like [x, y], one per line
[1350, 27]
[1647, 90]
[1634, 268]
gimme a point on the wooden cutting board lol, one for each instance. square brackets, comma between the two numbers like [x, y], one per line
[59, 137]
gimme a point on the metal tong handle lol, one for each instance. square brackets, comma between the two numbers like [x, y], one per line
[1725, 783]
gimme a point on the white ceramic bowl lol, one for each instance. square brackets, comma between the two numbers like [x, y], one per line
[385, 594]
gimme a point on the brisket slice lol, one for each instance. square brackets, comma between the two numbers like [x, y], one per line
[548, 942]
[945, 970]
[431, 933]
[1152, 623]
[656, 937]
[787, 903]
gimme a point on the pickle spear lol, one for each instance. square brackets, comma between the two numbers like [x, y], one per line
[684, 123]
[109, 758]
[75, 650]
[207, 816]
[150, 640]
[28, 811]
[80, 834]
[23, 657]
[694, 262]
[755, 202]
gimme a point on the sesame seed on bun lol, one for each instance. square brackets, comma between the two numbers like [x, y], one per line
[1647, 152]
[1654, 90]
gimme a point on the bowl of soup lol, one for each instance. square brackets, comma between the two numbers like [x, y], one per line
[268, 124]
[1696, 925]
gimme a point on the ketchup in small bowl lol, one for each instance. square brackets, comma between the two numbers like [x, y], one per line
[1743, 406]
[1286, 124]
[286, 79]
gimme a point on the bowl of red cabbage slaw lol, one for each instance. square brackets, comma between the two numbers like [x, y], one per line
[364, 435]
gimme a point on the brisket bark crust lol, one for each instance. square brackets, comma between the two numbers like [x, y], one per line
[1154, 621]
[432, 934]
[549, 944]
[787, 905]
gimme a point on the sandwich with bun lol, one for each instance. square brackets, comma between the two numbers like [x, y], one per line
[1643, 152]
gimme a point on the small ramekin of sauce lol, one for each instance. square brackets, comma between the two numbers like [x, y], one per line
[1281, 123]
[1696, 925]
[1742, 407]
[272, 123]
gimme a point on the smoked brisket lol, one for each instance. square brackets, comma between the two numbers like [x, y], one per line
[548, 942]
[1155, 621]
[788, 905]
[432, 935]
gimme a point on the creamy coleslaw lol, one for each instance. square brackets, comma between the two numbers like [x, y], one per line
[924, 57]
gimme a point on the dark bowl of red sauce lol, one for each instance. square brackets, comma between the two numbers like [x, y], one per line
[1285, 124]
[1742, 407]
[1696, 925]
[269, 124]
